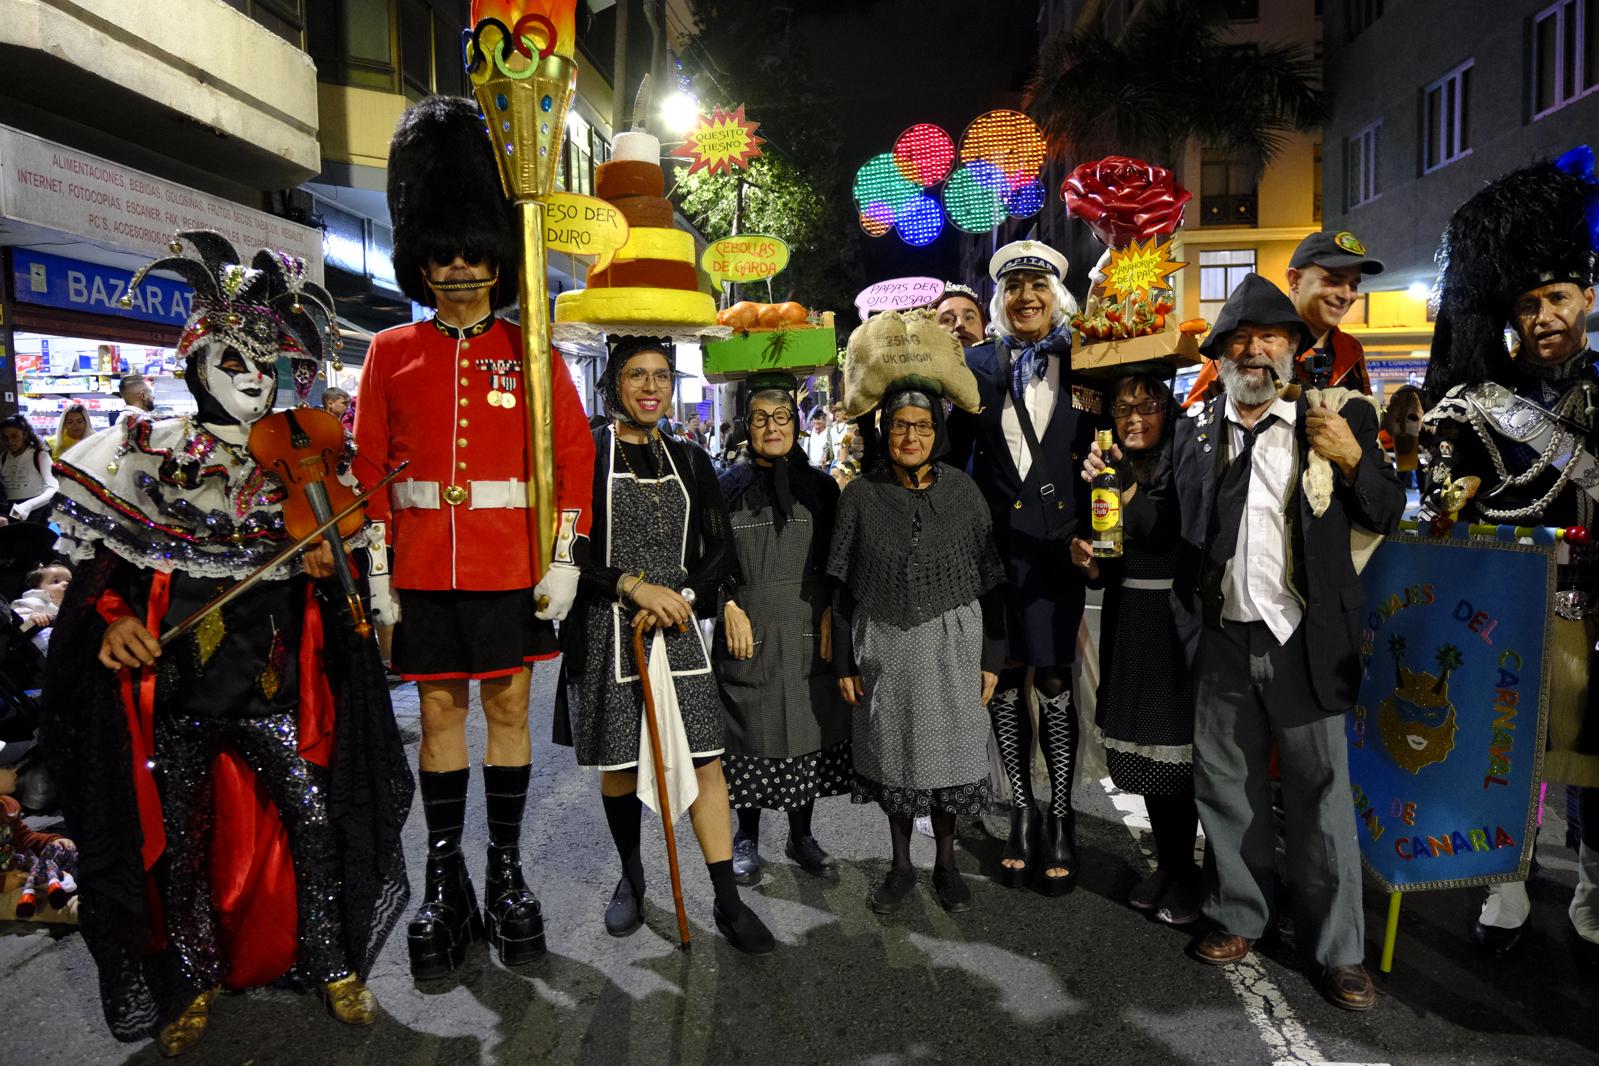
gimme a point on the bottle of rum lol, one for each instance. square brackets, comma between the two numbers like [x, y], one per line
[1106, 505]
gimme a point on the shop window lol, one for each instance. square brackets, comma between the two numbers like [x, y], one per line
[1446, 119]
[1227, 194]
[1220, 272]
[1362, 154]
[1565, 54]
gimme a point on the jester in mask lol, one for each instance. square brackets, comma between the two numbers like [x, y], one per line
[236, 795]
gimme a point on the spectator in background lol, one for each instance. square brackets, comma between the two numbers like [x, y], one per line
[695, 431]
[335, 402]
[29, 481]
[37, 606]
[137, 396]
[819, 444]
[1324, 278]
[72, 427]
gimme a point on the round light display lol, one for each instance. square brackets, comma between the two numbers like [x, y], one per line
[972, 206]
[919, 220]
[924, 153]
[1010, 141]
[877, 219]
[1026, 199]
[879, 181]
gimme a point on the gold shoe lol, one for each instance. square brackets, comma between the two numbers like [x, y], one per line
[350, 1001]
[183, 1034]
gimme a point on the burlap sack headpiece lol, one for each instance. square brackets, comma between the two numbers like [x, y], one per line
[900, 345]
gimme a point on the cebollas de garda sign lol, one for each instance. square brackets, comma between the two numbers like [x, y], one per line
[55, 281]
[583, 225]
[746, 258]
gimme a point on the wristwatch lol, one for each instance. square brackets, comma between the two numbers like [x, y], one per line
[687, 594]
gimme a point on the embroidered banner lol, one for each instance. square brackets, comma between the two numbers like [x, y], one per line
[1446, 739]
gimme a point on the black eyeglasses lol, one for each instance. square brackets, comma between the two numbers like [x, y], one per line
[779, 417]
[1122, 410]
[446, 256]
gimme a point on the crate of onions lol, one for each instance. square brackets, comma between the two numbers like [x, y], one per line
[784, 336]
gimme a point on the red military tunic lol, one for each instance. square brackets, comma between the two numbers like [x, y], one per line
[424, 396]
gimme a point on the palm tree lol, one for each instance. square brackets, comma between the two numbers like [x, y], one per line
[1396, 648]
[1449, 660]
[1170, 77]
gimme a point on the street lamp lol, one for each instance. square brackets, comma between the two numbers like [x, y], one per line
[679, 112]
[1418, 290]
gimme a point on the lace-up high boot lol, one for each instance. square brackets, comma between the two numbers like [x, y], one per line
[448, 919]
[512, 914]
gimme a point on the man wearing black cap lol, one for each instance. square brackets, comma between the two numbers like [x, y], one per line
[1324, 278]
[1522, 253]
[1273, 579]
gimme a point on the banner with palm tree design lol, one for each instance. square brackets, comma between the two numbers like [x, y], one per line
[1446, 740]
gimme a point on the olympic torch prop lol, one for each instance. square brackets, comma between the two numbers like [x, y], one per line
[519, 58]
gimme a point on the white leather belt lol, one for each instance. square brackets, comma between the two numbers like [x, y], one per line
[1147, 584]
[478, 495]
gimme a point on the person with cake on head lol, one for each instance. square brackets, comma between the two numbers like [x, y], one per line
[465, 597]
[918, 628]
[662, 547]
[1522, 423]
[787, 729]
[1023, 449]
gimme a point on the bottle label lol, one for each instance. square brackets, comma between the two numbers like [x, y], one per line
[1107, 509]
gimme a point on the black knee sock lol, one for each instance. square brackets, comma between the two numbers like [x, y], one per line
[444, 809]
[1173, 822]
[622, 814]
[799, 821]
[899, 830]
[723, 884]
[1013, 734]
[749, 823]
[944, 837]
[1057, 737]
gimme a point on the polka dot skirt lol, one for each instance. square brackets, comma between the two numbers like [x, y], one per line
[788, 784]
[970, 800]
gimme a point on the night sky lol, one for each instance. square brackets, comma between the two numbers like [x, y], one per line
[889, 64]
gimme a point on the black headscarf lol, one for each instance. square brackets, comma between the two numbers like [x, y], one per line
[622, 350]
[764, 479]
[903, 394]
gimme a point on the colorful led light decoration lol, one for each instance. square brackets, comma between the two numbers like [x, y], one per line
[1025, 200]
[924, 153]
[1010, 141]
[877, 219]
[919, 220]
[879, 181]
[972, 205]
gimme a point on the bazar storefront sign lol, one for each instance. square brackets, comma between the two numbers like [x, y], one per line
[61, 188]
[55, 281]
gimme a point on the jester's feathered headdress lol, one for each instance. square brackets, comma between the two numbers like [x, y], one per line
[265, 311]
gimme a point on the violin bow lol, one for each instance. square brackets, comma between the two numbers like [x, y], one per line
[233, 593]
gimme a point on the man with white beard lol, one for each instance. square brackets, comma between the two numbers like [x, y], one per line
[1273, 585]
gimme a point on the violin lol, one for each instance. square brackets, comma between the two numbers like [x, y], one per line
[302, 448]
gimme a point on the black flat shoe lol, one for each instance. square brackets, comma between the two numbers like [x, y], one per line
[746, 861]
[949, 888]
[1022, 843]
[625, 913]
[891, 891]
[512, 917]
[743, 930]
[1057, 850]
[810, 856]
[1494, 940]
[446, 923]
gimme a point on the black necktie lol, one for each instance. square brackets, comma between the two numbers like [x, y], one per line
[1232, 494]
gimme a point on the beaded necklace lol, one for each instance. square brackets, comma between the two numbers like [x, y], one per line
[658, 495]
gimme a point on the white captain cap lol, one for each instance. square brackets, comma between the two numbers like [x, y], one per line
[1035, 256]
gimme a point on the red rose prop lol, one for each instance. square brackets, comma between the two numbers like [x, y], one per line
[1124, 199]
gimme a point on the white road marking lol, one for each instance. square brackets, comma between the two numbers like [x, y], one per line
[1264, 1004]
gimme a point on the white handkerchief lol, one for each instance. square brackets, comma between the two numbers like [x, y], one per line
[682, 787]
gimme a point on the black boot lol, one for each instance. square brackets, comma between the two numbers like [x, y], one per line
[448, 919]
[511, 913]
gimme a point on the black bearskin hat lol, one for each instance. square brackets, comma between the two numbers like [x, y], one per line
[1534, 226]
[445, 194]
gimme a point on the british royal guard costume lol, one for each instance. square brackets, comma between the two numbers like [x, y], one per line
[449, 398]
[1522, 254]
[237, 801]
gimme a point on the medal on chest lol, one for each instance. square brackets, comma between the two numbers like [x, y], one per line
[502, 380]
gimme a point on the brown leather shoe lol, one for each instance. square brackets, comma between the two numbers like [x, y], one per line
[1348, 987]
[1221, 948]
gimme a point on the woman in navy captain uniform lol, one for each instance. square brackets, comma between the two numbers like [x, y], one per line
[1022, 449]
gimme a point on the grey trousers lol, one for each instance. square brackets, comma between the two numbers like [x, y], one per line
[1248, 691]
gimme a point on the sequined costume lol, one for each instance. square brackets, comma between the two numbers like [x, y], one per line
[236, 806]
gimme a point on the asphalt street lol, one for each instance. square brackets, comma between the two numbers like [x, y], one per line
[1018, 979]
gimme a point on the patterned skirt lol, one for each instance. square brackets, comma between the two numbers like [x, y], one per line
[970, 800]
[789, 783]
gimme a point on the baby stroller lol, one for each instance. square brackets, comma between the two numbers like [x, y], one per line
[24, 546]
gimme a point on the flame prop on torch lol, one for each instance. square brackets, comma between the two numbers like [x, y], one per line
[519, 57]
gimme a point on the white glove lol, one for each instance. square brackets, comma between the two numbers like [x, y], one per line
[559, 585]
[385, 605]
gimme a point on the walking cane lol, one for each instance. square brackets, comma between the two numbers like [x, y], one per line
[660, 783]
